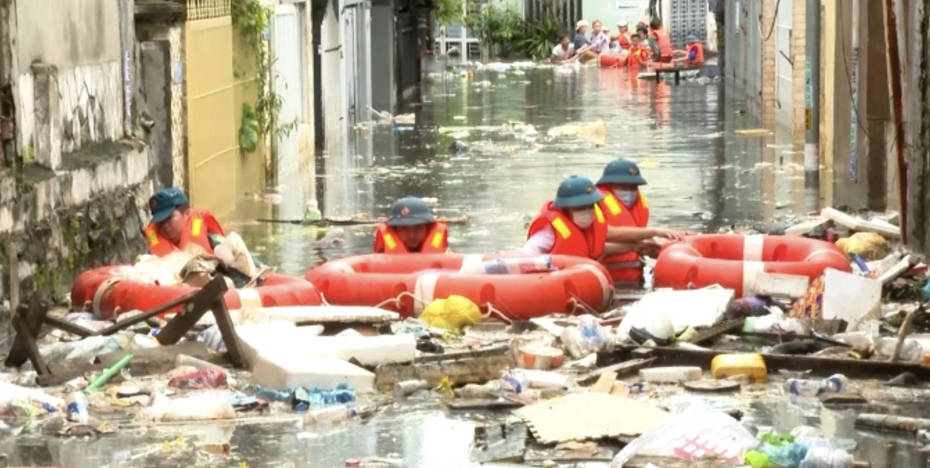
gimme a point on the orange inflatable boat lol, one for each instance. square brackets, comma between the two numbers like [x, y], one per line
[735, 261]
[108, 291]
[612, 59]
[408, 283]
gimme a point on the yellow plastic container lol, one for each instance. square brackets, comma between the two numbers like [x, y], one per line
[752, 366]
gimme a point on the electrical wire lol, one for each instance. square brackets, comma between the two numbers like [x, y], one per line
[855, 107]
[774, 19]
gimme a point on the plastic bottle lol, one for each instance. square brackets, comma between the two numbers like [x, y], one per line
[823, 456]
[204, 379]
[408, 387]
[805, 387]
[786, 455]
[836, 383]
[77, 408]
[329, 415]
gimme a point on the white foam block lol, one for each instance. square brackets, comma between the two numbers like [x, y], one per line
[285, 370]
[269, 339]
[782, 285]
[852, 298]
[341, 314]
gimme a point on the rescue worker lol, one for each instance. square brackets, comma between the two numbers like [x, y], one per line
[624, 36]
[573, 224]
[411, 228]
[177, 226]
[625, 205]
[660, 41]
[694, 56]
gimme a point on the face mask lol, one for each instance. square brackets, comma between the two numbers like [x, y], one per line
[627, 197]
[583, 219]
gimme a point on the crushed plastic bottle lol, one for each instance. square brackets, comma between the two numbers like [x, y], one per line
[329, 414]
[408, 387]
[77, 408]
[804, 387]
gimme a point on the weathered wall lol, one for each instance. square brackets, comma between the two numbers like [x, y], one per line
[67, 33]
[918, 105]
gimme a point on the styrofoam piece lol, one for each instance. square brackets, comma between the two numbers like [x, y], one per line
[860, 225]
[345, 314]
[817, 224]
[285, 370]
[692, 308]
[782, 285]
[305, 341]
[852, 298]
[670, 374]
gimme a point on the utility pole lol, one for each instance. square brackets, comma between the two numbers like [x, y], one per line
[812, 90]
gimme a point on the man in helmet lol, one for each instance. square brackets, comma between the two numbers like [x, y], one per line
[573, 224]
[411, 228]
[624, 205]
[177, 226]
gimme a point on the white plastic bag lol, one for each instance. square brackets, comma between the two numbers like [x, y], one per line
[586, 338]
[660, 440]
[204, 406]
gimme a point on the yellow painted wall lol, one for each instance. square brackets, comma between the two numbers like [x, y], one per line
[251, 175]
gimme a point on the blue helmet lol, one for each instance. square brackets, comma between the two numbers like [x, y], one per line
[622, 171]
[576, 192]
[410, 211]
[165, 201]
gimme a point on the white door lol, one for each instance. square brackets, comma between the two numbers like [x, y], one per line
[288, 68]
[784, 110]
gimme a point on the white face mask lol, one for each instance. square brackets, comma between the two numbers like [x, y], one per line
[584, 218]
[627, 197]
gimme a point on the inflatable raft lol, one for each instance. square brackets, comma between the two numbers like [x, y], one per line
[109, 291]
[409, 283]
[735, 261]
[612, 59]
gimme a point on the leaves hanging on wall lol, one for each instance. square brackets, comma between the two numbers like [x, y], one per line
[249, 131]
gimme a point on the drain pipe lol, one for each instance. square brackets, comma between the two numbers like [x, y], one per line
[812, 90]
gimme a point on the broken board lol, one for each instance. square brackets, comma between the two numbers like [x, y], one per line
[589, 416]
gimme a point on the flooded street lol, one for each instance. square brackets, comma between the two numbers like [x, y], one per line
[702, 175]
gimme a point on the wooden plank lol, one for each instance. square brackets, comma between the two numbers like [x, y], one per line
[605, 383]
[474, 404]
[818, 366]
[622, 368]
[461, 371]
[67, 326]
[33, 317]
[124, 324]
[197, 306]
[495, 350]
[228, 330]
[716, 331]
[28, 343]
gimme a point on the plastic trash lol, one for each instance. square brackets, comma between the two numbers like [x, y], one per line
[453, 313]
[757, 459]
[77, 408]
[746, 307]
[14, 398]
[408, 387]
[868, 245]
[543, 380]
[586, 338]
[87, 348]
[786, 456]
[824, 456]
[202, 379]
[911, 351]
[697, 447]
[203, 406]
[697, 418]
[861, 342]
[775, 323]
[805, 387]
[331, 414]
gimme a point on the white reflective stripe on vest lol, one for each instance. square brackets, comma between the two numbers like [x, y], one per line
[424, 291]
[752, 248]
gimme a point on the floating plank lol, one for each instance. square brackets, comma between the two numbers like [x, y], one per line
[473, 404]
[889, 422]
[716, 331]
[818, 366]
[462, 371]
[627, 367]
[860, 225]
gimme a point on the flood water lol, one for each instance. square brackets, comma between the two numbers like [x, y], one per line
[702, 174]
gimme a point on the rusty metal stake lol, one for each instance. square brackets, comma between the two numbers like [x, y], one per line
[897, 106]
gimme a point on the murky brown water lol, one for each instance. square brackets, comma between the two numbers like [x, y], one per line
[702, 175]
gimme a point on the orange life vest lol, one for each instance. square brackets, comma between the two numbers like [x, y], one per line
[627, 267]
[664, 41]
[637, 56]
[387, 241]
[200, 223]
[699, 53]
[624, 40]
[569, 239]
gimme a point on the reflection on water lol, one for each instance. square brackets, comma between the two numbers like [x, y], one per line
[701, 174]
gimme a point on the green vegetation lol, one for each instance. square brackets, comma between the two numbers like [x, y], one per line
[508, 36]
[448, 12]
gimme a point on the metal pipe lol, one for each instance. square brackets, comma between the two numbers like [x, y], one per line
[897, 110]
[812, 89]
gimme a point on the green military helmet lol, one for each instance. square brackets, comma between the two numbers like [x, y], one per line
[576, 192]
[621, 171]
[410, 211]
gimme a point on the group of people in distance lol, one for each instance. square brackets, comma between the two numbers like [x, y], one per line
[626, 48]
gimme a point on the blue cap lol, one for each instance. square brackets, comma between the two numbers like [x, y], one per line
[621, 171]
[165, 201]
[410, 211]
[691, 38]
[576, 192]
